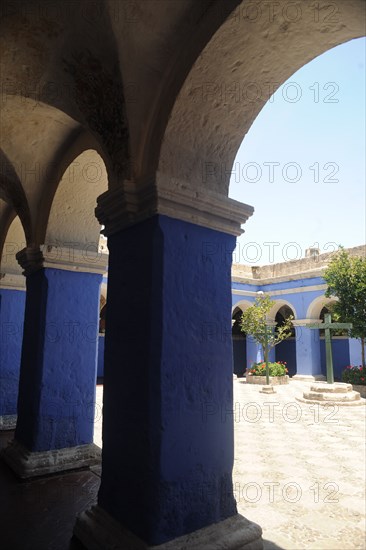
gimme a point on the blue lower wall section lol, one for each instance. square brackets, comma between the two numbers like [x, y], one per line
[12, 305]
[59, 360]
[164, 397]
[340, 354]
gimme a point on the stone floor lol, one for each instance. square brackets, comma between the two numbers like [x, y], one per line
[300, 469]
[299, 472]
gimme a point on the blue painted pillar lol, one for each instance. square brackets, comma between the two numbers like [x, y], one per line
[355, 352]
[12, 303]
[168, 404]
[307, 351]
[59, 359]
[56, 399]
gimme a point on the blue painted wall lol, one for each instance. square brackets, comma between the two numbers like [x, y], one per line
[340, 354]
[12, 305]
[168, 403]
[59, 360]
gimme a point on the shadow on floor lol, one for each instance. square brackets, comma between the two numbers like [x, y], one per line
[40, 514]
[269, 545]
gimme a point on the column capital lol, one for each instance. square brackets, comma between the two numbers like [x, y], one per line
[32, 259]
[130, 204]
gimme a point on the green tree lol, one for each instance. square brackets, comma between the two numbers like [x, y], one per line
[346, 279]
[254, 322]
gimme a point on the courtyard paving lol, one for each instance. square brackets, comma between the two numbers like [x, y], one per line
[299, 469]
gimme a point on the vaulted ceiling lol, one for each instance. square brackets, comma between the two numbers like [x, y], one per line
[149, 85]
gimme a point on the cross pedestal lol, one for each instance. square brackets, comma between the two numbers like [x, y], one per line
[336, 393]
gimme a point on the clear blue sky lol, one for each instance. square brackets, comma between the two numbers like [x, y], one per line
[325, 130]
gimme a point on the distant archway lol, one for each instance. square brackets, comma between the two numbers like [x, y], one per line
[286, 350]
[239, 343]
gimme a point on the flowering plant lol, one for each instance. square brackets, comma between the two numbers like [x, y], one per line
[277, 368]
[354, 375]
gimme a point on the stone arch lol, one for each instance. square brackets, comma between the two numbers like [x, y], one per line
[316, 306]
[14, 242]
[277, 306]
[14, 200]
[72, 219]
[243, 305]
[69, 164]
[283, 313]
[67, 70]
[212, 113]
[7, 215]
[33, 150]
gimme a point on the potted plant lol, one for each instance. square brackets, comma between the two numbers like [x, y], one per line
[254, 322]
[277, 371]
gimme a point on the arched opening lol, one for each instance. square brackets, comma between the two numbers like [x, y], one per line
[102, 315]
[239, 344]
[101, 337]
[286, 350]
[306, 158]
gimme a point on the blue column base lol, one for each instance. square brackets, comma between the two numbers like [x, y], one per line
[167, 451]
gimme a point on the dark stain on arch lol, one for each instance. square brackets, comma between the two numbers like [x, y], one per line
[100, 96]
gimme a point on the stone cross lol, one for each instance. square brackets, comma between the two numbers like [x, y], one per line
[328, 326]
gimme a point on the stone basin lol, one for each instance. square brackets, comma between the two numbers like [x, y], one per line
[273, 380]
